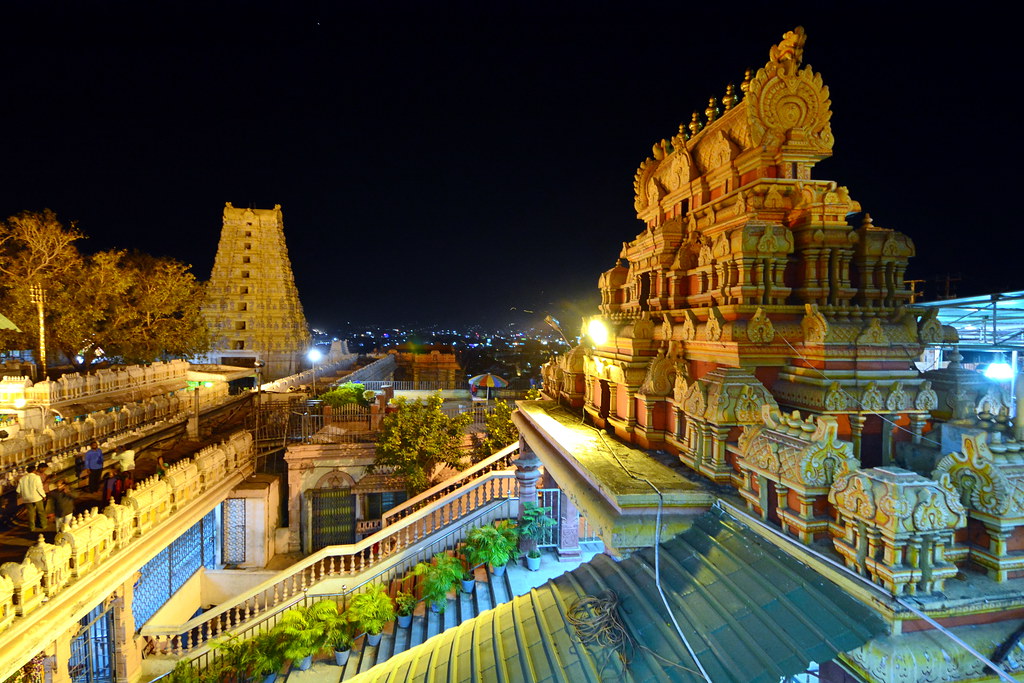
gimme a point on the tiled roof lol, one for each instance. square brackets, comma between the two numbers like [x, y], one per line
[749, 611]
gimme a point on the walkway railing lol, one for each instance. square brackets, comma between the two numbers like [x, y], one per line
[330, 562]
[400, 566]
[502, 460]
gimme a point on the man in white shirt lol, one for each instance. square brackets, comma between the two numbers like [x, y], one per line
[30, 490]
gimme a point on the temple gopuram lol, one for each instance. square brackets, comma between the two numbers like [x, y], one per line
[759, 330]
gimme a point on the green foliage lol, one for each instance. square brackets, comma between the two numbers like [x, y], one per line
[493, 544]
[302, 630]
[346, 394]
[337, 626]
[418, 438]
[371, 609]
[500, 431]
[268, 653]
[533, 520]
[137, 308]
[439, 578]
[405, 603]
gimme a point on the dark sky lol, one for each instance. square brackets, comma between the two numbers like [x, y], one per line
[449, 161]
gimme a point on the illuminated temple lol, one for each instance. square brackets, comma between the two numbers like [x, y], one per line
[758, 329]
[743, 429]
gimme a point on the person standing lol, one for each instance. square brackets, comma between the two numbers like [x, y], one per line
[63, 505]
[30, 490]
[126, 459]
[94, 463]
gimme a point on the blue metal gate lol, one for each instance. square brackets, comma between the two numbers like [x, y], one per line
[92, 648]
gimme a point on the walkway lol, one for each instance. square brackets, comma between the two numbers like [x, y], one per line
[488, 593]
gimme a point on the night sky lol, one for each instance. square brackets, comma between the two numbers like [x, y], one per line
[448, 162]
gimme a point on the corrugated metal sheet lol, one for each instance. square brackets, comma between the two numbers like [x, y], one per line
[750, 612]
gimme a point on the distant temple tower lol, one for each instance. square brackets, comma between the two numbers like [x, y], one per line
[252, 306]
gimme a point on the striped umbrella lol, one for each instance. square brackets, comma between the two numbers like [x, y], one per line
[488, 380]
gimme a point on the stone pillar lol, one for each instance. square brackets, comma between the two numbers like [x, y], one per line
[568, 530]
[917, 422]
[527, 473]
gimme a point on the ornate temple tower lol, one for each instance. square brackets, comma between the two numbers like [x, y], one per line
[753, 282]
[252, 306]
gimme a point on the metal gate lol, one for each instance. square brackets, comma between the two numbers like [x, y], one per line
[92, 648]
[550, 498]
[332, 518]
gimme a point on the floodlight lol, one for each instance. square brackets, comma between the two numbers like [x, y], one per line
[999, 371]
[597, 331]
[314, 355]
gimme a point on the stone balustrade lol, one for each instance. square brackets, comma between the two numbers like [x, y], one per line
[183, 482]
[123, 519]
[150, 502]
[6, 602]
[54, 561]
[897, 527]
[76, 386]
[92, 537]
[56, 442]
[26, 580]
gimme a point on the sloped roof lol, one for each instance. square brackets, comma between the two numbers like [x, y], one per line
[749, 611]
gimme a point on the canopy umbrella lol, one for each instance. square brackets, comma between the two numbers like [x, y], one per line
[488, 380]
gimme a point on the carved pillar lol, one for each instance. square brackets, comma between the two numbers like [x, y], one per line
[917, 422]
[527, 473]
[856, 430]
[568, 530]
[887, 439]
[613, 399]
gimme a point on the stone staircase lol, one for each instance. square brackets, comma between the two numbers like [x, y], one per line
[489, 592]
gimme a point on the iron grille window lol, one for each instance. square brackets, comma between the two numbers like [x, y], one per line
[234, 531]
[92, 652]
[379, 503]
[162, 576]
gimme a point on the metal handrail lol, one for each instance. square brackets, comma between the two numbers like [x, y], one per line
[340, 560]
[435, 492]
[204, 656]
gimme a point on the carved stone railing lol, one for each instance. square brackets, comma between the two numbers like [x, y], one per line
[91, 537]
[502, 460]
[333, 561]
[59, 443]
[76, 386]
[68, 600]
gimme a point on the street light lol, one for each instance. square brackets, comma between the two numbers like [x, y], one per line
[314, 357]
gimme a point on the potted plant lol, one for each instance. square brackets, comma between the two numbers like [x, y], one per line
[337, 630]
[467, 578]
[267, 656]
[439, 577]
[405, 603]
[492, 544]
[371, 610]
[533, 521]
[302, 633]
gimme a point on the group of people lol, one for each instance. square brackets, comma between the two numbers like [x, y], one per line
[34, 492]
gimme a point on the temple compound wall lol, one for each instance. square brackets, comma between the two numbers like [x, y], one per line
[252, 306]
[760, 329]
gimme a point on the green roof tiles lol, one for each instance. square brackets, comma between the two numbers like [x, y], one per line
[749, 611]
